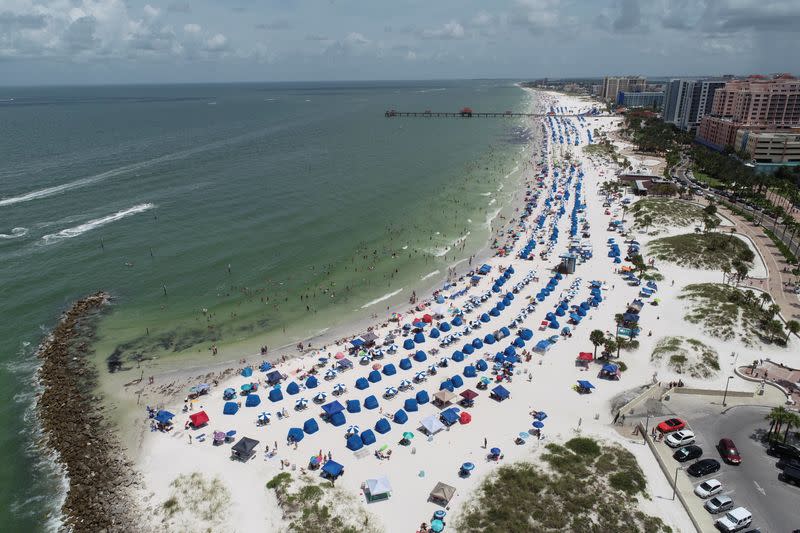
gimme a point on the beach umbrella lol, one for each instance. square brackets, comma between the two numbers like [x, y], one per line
[320, 397]
[524, 435]
[300, 403]
[339, 388]
[404, 384]
[432, 369]
[391, 391]
[468, 467]
[339, 355]
[377, 366]
[330, 374]
[366, 360]
[322, 360]
[247, 387]
[420, 376]
[538, 424]
[408, 435]
[378, 352]
[437, 525]
[495, 451]
[264, 417]
[352, 430]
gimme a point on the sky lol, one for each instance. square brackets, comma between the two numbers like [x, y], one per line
[166, 41]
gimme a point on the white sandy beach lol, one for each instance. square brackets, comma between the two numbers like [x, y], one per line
[544, 383]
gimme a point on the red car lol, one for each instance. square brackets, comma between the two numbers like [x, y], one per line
[728, 452]
[673, 424]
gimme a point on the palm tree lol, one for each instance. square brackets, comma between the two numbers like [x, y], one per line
[791, 419]
[773, 310]
[792, 328]
[647, 220]
[596, 337]
[776, 416]
[764, 298]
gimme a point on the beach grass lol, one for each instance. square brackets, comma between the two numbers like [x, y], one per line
[197, 503]
[665, 212]
[708, 251]
[687, 356]
[586, 486]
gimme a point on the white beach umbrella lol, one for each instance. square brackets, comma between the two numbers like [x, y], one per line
[320, 397]
[264, 416]
[379, 352]
[420, 376]
[339, 387]
[432, 369]
[331, 373]
[301, 403]
[366, 360]
[391, 391]
[404, 384]
[352, 430]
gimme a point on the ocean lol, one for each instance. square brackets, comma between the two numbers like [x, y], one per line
[237, 215]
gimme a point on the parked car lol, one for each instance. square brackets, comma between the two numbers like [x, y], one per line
[790, 475]
[708, 488]
[779, 449]
[670, 425]
[719, 504]
[729, 452]
[734, 520]
[687, 453]
[680, 438]
[703, 467]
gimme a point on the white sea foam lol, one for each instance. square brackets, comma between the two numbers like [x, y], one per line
[486, 194]
[69, 233]
[438, 252]
[493, 200]
[382, 298]
[491, 216]
[15, 233]
[430, 275]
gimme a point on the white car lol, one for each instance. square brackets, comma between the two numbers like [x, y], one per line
[734, 520]
[680, 438]
[706, 489]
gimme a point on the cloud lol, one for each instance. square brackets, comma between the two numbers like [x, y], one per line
[179, 7]
[318, 37]
[355, 38]
[536, 15]
[216, 43]
[730, 16]
[629, 17]
[450, 30]
[192, 28]
[279, 24]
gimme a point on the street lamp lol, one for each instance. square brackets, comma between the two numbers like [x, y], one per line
[725, 396]
[675, 482]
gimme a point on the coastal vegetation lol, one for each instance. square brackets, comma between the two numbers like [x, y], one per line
[313, 507]
[661, 212]
[196, 503]
[687, 356]
[727, 312]
[781, 418]
[584, 486]
[708, 251]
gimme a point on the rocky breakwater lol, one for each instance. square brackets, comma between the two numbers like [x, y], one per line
[102, 482]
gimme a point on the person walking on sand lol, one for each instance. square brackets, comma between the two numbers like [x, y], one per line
[484, 443]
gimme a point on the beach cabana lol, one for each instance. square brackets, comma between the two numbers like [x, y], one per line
[470, 371]
[354, 442]
[431, 425]
[375, 376]
[500, 393]
[444, 326]
[362, 383]
[389, 370]
[446, 385]
[457, 356]
[332, 408]
[420, 356]
[253, 400]
[230, 408]
[310, 426]
[353, 406]
[448, 417]
[482, 365]
[408, 344]
[468, 349]
[292, 388]
[405, 363]
[434, 333]
[370, 402]
[410, 405]
[295, 435]
[457, 321]
[443, 397]
[422, 397]
[457, 381]
[489, 339]
[244, 449]
[275, 395]
[465, 418]
[584, 387]
[377, 489]
[383, 426]
[164, 417]
[368, 437]
[419, 338]
[400, 417]
[337, 419]
[198, 419]
[442, 494]
[332, 470]
[312, 382]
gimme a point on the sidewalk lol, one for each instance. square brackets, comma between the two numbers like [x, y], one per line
[786, 377]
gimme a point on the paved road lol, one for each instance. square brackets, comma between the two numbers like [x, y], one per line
[754, 484]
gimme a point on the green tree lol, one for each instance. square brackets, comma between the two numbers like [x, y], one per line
[596, 337]
[776, 416]
[764, 298]
[790, 419]
[792, 328]
[647, 221]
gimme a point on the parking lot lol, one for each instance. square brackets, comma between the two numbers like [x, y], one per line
[754, 484]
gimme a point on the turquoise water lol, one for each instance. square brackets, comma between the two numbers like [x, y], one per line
[226, 214]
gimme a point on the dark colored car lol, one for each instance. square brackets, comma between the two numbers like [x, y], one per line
[703, 467]
[790, 475]
[673, 424]
[729, 452]
[687, 453]
[788, 462]
[779, 449]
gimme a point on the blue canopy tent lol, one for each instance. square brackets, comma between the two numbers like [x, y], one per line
[470, 372]
[367, 437]
[489, 339]
[344, 364]
[510, 351]
[457, 381]
[375, 376]
[164, 417]
[468, 349]
[500, 393]
[457, 321]
[434, 333]
[422, 397]
[389, 370]
[484, 318]
[275, 395]
[400, 417]
[477, 343]
[410, 405]
[405, 363]
[444, 326]
[519, 343]
[370, 402]
[310, 426]
[332, 469]
[494, 312]
[354, 442]
[504, 331]
[312, 382]
[338, 419]
[332, 408]
[446, 385]
[252, 400]
[362, 383]
[457, 356]
[610, 368]
[420, 356]
[585, 384]
[247, 372]
[481, 365]
[408, 344]
[484, 269]
[292, 388]
[449, 416]
[383, 426]
[274, 377]
[353, 406]
[295, 435]
[500, 306]
[419, 338]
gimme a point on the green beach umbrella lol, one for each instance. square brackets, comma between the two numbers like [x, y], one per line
[408, 435]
